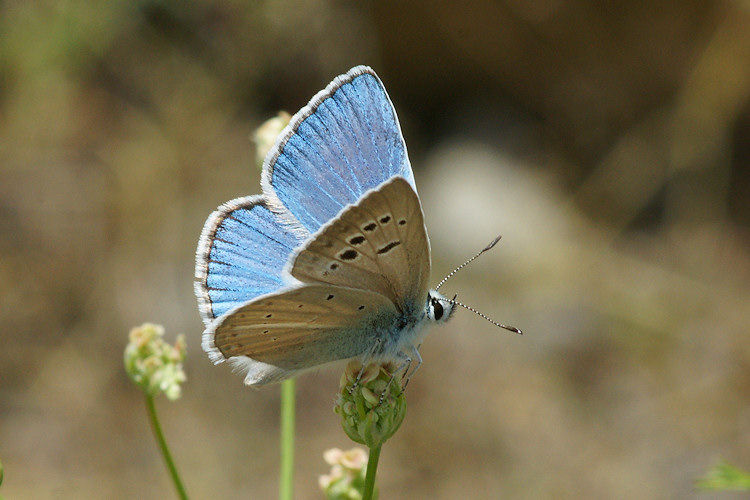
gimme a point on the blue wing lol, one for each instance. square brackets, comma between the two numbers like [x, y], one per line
[241, 255]
[346, 141]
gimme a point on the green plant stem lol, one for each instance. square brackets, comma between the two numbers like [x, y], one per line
[163, 447]
[372, 467]
[286, 476]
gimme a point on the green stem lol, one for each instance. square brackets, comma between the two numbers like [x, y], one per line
[163, 447]
[372, 467]
[286, 477]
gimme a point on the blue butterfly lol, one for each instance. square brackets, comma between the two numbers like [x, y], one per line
[332, 261]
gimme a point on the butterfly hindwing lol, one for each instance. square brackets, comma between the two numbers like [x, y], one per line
[346, 141]
[241, 255]
[299, 328]
[379, 244]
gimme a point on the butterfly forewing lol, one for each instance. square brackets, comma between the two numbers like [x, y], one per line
[346, 141]
[303, 327]
[379, 244]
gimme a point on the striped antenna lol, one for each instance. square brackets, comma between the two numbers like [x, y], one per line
[457, 303]
[488, 247]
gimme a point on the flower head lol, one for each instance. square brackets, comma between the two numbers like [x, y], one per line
[154, 365]
[372, 409]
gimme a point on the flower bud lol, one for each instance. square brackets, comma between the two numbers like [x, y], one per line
[373, 410]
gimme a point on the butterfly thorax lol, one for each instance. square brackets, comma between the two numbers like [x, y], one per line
[408, 330]
[403, 332]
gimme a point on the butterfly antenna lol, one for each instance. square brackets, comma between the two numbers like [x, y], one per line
[457, 303]
[488, 247]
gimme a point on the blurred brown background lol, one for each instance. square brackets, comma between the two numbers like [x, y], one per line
[607, 141]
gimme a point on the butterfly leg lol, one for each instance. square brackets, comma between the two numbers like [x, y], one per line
[375, 349]
[357, 379]
[406, 369]
[405, 363]
[419, 363]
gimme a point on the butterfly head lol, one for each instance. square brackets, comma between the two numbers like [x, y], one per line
[439, 308]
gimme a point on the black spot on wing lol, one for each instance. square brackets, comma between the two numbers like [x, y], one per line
[389, 247]
[370, 227]
[329, 297]
[357, 240]
[385, 219]
[349, 255]
[333, 266]
[402, 222]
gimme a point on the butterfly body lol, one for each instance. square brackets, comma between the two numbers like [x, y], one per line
[332, 261]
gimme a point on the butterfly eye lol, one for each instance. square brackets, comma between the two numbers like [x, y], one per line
[437, 310]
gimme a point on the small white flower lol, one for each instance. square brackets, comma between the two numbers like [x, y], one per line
[354, 459]
[346, 478]
[332, 456]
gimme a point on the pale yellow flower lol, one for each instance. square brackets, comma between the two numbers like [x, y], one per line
[154, 365]
[266, 135]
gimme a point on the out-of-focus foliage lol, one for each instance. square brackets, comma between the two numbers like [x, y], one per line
[607, 143]
[725, 477]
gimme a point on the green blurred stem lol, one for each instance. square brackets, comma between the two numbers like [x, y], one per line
[372, 467]
[286, 477]
[163, 447]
